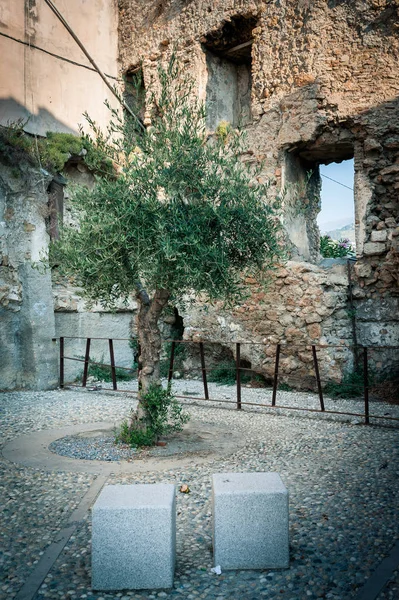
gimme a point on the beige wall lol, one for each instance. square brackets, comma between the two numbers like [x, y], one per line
[51, 91]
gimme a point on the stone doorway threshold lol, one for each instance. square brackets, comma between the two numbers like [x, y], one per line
[199, 443]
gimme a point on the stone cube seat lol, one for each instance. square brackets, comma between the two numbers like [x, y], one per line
[134, 537]
[250, 521]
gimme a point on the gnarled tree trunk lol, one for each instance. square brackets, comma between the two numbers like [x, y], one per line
[149, 337]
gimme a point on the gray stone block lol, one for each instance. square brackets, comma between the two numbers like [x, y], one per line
[134, 537]
[250, 521]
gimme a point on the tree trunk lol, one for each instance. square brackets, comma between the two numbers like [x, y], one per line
[150, 340]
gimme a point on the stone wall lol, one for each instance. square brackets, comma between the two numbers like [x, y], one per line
[28, 357]
[323, 89]
[304, 304]
[312, 82]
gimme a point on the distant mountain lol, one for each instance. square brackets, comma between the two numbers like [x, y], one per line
[325, 226]
[347, 231]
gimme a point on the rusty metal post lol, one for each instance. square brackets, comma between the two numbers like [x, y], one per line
[316, 370]
[87, 358]
[238, 375]
[275, 380]
[113, 370]
[366, 387]
[139, 366]
[204, 381]
[172, 360]
[61, 362]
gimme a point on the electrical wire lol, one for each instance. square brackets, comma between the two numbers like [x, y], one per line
[68, 60]
[335, 181]
[88, 56]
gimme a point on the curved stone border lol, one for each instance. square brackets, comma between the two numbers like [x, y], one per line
[32, 450]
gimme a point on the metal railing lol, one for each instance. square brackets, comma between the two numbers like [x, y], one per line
[239, 370]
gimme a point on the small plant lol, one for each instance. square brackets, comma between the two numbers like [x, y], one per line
[51, 152]
[223, 374]
[102, 372]
[284, 387]
[351, 386]
[223, 130]
[330, 248]
[162, 416]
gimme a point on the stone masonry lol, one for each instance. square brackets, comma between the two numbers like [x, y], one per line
[311, 82]
[321, 76]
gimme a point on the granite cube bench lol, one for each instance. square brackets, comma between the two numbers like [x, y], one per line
[134, 537]
[250, 521]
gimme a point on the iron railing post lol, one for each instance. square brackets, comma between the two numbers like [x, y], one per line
[87, 358]
[172, 360]
[316, 370]
[275, 380]
[203, 369]
[112, 358]
[366, 386]
[61, 362]
[238, 375]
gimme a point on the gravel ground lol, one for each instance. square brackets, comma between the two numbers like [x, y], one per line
[342, 478]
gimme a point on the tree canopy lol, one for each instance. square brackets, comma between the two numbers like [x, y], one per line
[183, 212]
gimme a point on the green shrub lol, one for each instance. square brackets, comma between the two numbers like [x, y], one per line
[284, 387]
[50, 152]
[223, 374]
[102, 372]
[351, 386]
[330, 248]
[163, 415]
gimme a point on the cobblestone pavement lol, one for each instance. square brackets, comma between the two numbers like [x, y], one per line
[341, 475]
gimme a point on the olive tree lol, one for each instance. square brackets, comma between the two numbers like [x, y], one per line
[180, 213]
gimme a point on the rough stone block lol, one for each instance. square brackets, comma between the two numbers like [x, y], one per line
[134, 537]
[250, 521]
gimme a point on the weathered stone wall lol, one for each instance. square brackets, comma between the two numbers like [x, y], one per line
[318, 84]
[304, 304]
[323, 89]
[28, 356]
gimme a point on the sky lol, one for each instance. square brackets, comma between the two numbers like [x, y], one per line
[337, 204]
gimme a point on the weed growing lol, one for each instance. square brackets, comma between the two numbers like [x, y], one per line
[162, 416]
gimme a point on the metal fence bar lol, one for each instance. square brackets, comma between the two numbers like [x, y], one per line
[204, 381]
[139, 366]
[172, 360]
[366, 387]
[275, 380]
[238, 375]
[113, 370]
[316, 370]
[62, 362]
[87, 358]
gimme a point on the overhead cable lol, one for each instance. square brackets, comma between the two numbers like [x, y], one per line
[88, 56]
[335, 181]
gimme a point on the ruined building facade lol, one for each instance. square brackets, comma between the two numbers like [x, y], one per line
[311, 82]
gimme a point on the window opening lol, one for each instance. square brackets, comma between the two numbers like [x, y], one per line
[229, 57]
[337, 215]
[134, 91]
[319, 198]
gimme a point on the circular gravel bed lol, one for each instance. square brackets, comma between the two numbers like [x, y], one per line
[89, 448]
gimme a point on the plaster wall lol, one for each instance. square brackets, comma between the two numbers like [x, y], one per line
[44, 76]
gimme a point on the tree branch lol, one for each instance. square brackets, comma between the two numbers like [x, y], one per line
[141, 294]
